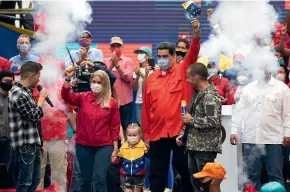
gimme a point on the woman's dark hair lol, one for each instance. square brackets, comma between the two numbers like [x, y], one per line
[167, 46]
[183, 41]
[6, 74]
[286, 73]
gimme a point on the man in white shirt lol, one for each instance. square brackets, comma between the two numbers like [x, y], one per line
[262, 120]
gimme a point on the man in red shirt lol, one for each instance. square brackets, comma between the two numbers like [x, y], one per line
[221, 84]
[54, 125]
[163, 92]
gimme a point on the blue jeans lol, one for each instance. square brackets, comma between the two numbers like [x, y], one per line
[29, 162]
[94, 163]
[76, 176]
[138, 107]
[170, 173]
[254, 156]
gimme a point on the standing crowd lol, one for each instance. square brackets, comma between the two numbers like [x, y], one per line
[95, 99]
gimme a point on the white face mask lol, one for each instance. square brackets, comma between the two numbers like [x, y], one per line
[96, 88]
[132, 139]
[141, 58]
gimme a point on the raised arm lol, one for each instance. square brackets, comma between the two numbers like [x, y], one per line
[192, 54]
[66, 92]
[286, 52]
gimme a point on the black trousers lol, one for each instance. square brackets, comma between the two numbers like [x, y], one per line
[126, 114]
[159, 164]
[6, 175]
[196, 162]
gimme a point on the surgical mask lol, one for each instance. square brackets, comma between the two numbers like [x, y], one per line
[141, 58]
[84, 42]
[242, 80]
[212, 72]
[6, 86]
[96, 88]
[24, 48]
[164, 64]
[132, 139]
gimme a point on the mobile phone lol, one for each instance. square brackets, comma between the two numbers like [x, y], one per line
[151, 63]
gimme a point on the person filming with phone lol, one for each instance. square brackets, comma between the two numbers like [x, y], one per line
[144, 55]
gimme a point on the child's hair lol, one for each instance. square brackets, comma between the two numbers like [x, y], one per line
[134, 126]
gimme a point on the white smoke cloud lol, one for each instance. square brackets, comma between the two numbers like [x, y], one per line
[239, 23]
[64, 21]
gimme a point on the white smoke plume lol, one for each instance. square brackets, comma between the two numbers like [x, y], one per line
[236, 24]
[64, 21]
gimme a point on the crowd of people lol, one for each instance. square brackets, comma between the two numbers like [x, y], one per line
[95, 99]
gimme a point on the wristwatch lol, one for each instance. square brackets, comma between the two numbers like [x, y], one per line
[118, 66]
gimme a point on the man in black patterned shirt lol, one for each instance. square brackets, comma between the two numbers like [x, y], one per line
[24, 124]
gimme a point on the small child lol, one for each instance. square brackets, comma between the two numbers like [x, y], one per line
[132, 159]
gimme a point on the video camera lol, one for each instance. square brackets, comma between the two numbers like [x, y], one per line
[83, 74]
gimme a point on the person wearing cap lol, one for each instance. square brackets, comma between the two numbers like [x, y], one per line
[261, 123]
[163, 92]
[86, 54]
[122, 68]
[143, 55]
[212, 174]
[23, 45]
[273, 187]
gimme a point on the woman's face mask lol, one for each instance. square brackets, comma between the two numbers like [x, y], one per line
[96, 88]
[164, 64]
[141, 58]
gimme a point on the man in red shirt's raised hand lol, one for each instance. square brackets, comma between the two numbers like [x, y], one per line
[161, 114]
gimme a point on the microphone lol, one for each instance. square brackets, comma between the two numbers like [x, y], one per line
[39, 88]
[183, 106]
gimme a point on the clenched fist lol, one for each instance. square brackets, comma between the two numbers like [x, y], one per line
[195, 24]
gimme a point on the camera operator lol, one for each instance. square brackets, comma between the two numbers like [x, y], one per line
[83, 75]
[86, 52]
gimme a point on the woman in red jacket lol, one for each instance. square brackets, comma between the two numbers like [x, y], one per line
[98, 127]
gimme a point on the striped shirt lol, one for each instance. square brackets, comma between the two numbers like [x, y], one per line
[24, 117]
